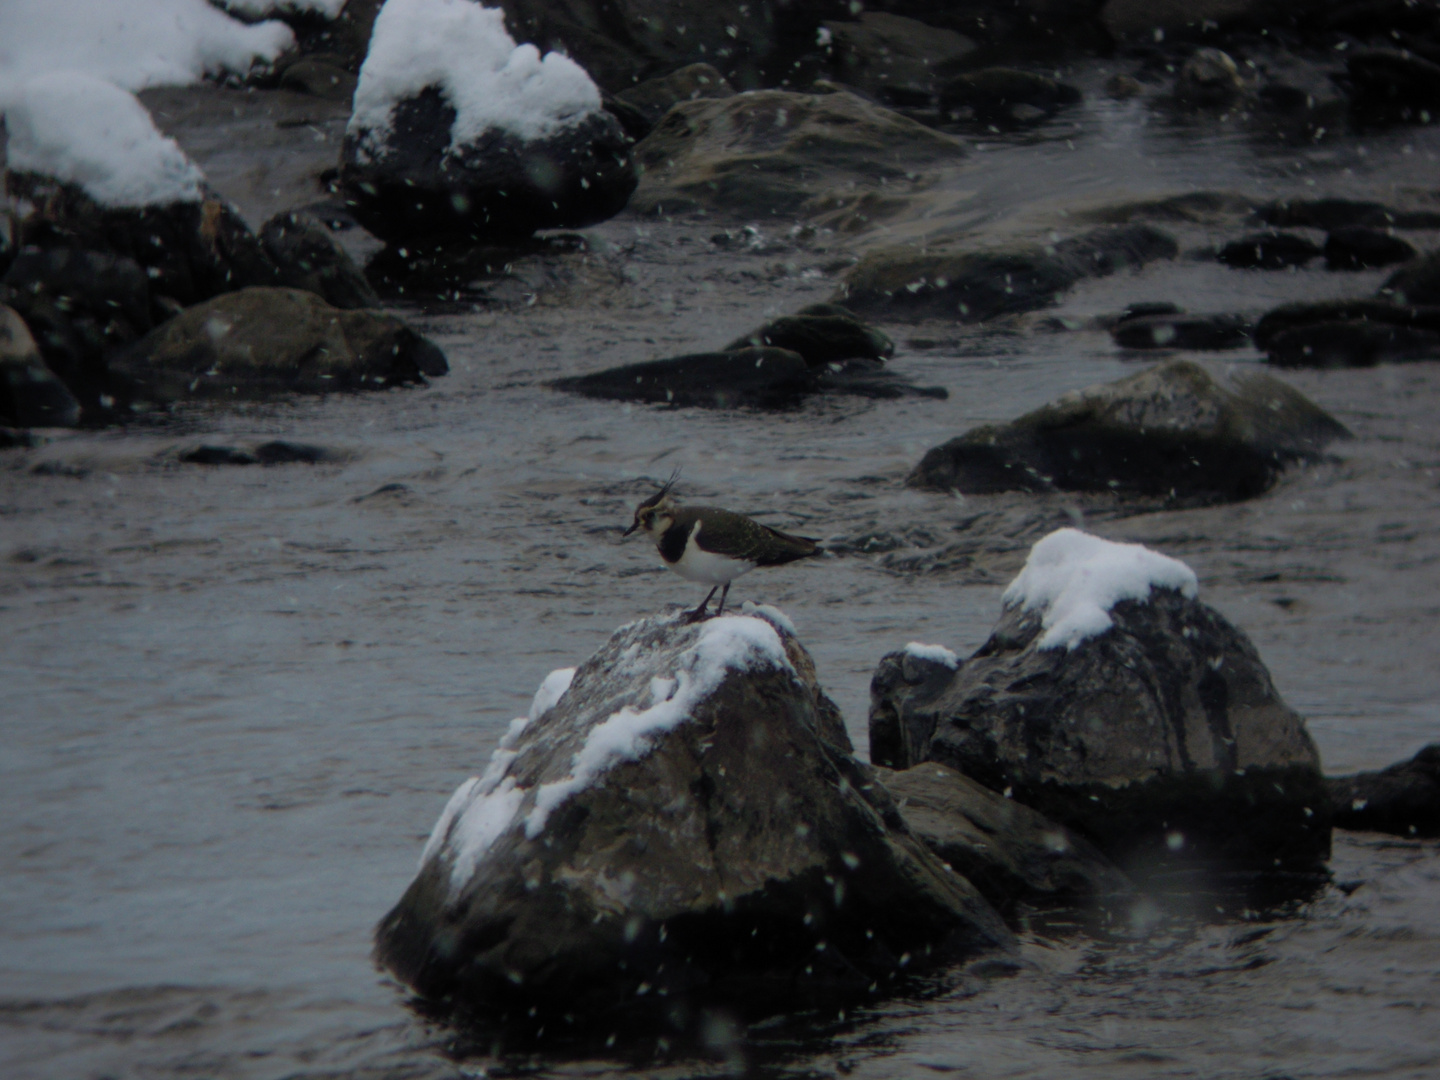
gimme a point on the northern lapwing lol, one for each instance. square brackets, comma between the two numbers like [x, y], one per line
[713, 546]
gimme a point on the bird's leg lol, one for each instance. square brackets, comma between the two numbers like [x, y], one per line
[699, 612]
[721, 609]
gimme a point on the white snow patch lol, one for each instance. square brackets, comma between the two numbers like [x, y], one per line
[329, 9]
[736, 643]
[552, 689]
[771, 614]
[86, 131]
[131, 43]
[938, 653]
[463, 49]
[1076, 578]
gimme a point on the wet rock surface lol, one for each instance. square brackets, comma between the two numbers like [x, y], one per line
[1358, 247]
[1174, 431]
[1177, 330]
[822, 334]
[653, 98]
[677, 834]
[412, 186]
[974, 286]
[305, 252]
[1008, 851]
[773, 152]
[257, 343]
[1403, 799]
[1349, 333]
[1162, 739]
[895, 59]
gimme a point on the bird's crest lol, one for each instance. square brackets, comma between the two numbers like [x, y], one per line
[659, 496]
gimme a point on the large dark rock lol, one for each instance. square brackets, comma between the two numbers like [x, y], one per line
[80, 306]
[1269, 250]
[1004, 97]
[259, 343]
[892, 58]
[190, 251]
[822, 334]
[1138, 717]
[771, 152]
[1008, 851]
[1403, 799]
[974, 286]
[1173, 431]
[412, 186]
[307, 256]
[30, 394]
[681, 831]
[765, 378]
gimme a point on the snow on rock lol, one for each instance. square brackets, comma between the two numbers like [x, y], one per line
[1075, 579]
[131, 43]
[771, 614]
[484, 807]
[464, 50]
[724, 645]
[83, 130]
[328, 9]
[936, 653]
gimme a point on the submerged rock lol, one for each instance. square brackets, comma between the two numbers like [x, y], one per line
[765, 378]
[1269, 250]
[822, 334]
[1359, 247]
[771, 152]
[1403, 798]
[258, 343]
[1172, 431]
[483, 142]
[30, 394]
[1349, 333]
[1111, 700]
[1008, 851]
[1394, 84]
[1209, 79]
[1180, 331]
[675, 828]
[1331, 214]
[1004, 97]
[1418, 284]
[974, 286]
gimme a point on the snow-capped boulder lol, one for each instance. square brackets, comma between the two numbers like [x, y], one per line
[262, 342]
[459, 136]
[1112, 701]
[677, 826]
[88, 169]
[1174, 431]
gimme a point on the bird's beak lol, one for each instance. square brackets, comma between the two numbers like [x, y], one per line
[633, 526]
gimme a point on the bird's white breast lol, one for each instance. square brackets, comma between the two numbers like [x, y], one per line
[705, 567]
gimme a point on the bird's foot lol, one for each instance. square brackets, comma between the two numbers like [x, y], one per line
[698, 615]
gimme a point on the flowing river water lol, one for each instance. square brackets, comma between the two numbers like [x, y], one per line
[236, 699]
